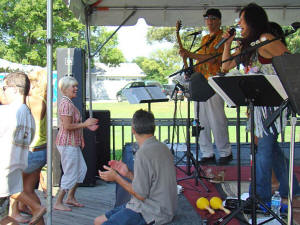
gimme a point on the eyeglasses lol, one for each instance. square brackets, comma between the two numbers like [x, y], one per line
[5, 87]
[210, 17]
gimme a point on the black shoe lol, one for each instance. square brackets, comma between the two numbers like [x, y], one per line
[207, 160]
[225, 160]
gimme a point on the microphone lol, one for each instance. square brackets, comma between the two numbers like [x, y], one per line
[295, 25]
[179, 85]
[223, 40]
[195, 33]
[237, 39]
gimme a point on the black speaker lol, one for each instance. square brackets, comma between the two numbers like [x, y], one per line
[288, 69]
[97, 147]
[72, 61]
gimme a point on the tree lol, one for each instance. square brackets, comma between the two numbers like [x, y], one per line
[23, 34]
[163, 63]
[159, 65]
[109, 54]
[293, 42]
[168, 34]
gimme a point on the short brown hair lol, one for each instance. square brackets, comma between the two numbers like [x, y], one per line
[143, 122]
[19, 80]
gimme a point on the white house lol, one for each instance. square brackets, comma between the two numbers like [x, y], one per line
[107, 81]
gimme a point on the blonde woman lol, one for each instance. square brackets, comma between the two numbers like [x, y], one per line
[69, 142]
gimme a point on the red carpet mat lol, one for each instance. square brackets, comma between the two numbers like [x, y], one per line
[193, 192]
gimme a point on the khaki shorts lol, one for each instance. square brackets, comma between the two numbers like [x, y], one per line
[4, 206]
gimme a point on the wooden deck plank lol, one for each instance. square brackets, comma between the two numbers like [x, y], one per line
[100, 199]
[97, 200]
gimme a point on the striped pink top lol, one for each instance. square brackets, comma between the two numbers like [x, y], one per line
[68, 137]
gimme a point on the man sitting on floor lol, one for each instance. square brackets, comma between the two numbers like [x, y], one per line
[153, 189]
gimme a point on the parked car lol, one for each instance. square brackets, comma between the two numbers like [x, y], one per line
[147, 83]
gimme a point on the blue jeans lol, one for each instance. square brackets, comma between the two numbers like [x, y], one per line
[36, 160]
[123, 216]
[270, 156]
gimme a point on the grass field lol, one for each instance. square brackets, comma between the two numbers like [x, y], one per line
[166, 110]
[159, 109]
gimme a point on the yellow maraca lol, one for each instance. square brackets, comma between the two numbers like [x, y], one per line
[216, 203]
[203, 203]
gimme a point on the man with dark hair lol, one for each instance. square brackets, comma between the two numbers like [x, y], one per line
[211, 113]
[153, 187]
[16, 133]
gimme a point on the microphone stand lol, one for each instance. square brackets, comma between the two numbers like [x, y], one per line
[189, 157]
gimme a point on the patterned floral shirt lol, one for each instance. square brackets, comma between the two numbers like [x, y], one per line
[259, 65]
[209, 69]
[68, 137]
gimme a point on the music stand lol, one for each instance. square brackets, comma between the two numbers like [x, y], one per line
[149, 94]
[250, 90]
[288, 70]
[200, 91]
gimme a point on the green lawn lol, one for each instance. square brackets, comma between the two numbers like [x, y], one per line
[166, 110]
[159, 109]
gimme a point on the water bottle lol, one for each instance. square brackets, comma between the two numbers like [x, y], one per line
[194, 123]
[276, 203]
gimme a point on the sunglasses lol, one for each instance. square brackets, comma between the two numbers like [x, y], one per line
[210, 17]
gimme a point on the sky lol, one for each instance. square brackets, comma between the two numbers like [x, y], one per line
[132, 41]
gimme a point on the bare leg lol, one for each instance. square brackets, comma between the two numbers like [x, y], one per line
[24, 208]
[29, 183]
[71, 200]
[8, 220]
[100, 220]
[15, 213]
[37, 210]
[59, 202]
[43, 185]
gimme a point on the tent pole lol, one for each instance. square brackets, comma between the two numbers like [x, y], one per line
[49, 43]
[87, 37]
[90, 56]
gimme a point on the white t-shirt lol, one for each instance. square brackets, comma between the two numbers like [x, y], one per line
[16, 133]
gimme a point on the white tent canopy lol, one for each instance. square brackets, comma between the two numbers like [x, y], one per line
[167, 12]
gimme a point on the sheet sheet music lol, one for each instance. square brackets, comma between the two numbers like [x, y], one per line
[138, 94]
[220, 92]
[276, 83]
[156, 93]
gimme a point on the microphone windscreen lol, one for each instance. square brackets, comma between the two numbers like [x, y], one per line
[231, 31]
[295, 25]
